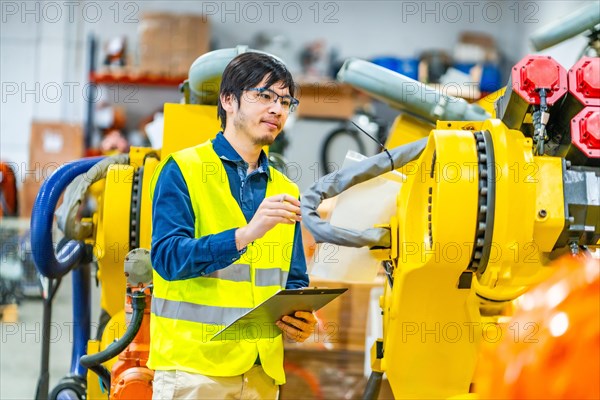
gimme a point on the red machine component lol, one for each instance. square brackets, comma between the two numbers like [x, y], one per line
[539, 72]
[528, 77]
[131, 379]
[584, 81]
[585, 131]
[8, 191]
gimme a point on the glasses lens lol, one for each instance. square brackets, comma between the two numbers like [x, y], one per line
[286, 102]
[267, 96]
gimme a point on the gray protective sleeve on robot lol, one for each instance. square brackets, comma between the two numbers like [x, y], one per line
[75, 194]
[333, 184]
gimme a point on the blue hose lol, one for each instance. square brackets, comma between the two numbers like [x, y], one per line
[52, 265]
[82, 306]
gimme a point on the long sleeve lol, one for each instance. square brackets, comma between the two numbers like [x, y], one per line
[298, 278]
[176, 254]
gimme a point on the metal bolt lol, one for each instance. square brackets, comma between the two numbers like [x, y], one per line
[542, 213]
[574, 247]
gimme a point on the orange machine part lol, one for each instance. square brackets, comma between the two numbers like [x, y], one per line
[551, 347]
[8, 191]
[131, 379]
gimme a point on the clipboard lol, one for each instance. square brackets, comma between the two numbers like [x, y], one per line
[259, 323]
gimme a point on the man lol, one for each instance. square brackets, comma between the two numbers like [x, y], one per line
[226, 236]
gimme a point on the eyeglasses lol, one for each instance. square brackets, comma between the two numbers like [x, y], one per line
[267, 96]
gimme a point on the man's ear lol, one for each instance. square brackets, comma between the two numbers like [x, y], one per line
[228, 101]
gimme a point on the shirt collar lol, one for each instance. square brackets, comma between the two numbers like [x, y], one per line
[225, 151]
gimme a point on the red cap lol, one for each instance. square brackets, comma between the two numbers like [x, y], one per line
[584, 81]
[585, 131]
[539, 72]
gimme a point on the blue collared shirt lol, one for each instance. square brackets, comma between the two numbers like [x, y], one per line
[176, 253]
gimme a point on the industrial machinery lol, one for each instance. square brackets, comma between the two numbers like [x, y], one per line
[115, 237]
[491, 194]
[8, 191]
[489, 199]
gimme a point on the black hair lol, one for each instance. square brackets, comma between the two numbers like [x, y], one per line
[246, 71]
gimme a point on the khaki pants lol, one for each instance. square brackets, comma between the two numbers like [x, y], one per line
[254, 384]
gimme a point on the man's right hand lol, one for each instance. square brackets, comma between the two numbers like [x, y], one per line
[279, 209]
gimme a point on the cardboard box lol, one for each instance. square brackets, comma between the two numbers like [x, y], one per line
[190, 40]
[326, 99]
[155, 32]
[170, 43]
[27, 195]
[53, 144]
[477, 47]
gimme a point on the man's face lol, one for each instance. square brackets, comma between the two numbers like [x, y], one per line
[257, 119]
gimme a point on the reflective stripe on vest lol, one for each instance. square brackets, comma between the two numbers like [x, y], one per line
[182, 310]
[271, 277]
[234, 273]
[186, 313]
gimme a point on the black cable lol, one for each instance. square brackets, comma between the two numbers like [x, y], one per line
[48, 298]
[373, 386]
[94, 361]
[378, 142]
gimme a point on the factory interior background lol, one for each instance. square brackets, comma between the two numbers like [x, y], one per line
[86, 78]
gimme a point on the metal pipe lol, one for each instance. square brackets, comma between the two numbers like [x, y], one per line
[404, 93]
[81, 314]
[581, 20]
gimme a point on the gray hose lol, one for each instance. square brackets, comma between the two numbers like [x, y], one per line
[578, 21]
[335, 183]
[75, 195]
[404, 93]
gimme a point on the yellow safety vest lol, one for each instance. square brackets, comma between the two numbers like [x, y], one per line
[187, 313]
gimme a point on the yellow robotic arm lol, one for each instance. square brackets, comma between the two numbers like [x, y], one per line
[482, 211]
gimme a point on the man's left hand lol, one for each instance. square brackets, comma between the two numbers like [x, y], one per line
[299, 326]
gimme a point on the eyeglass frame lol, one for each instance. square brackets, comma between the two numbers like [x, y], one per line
[294, 102]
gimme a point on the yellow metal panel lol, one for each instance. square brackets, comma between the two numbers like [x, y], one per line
[430, 346]
[137, 155]
[488, 102]
[515, 261]
[187, 125]
[114, 329]
[463, 125]
[93, 390]
[406, 129]
[112, 238]
[146, 207]
[550, 205]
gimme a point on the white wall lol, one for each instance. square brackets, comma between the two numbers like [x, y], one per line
[43, 43]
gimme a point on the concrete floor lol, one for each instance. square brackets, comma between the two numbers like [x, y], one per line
[20, 343]
[20, 346]
[340, 374]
